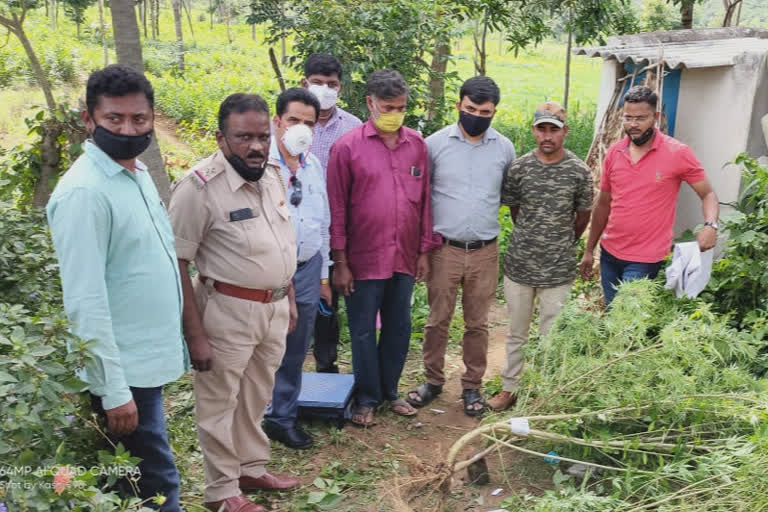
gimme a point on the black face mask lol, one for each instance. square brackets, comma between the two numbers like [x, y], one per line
[121, 147]
[245, 171]
[474, 125]
[642, 139]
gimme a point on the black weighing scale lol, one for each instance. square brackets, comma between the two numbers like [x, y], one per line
[326, 396]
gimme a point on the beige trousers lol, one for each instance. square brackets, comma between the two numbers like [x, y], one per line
[247, 342]
[520, 302]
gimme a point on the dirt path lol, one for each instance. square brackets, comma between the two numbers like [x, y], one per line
[428, 436]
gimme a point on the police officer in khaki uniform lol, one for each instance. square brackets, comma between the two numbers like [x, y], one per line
[230, 217]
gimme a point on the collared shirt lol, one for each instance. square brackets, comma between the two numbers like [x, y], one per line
[255, 249]
[466, 182]
[325, 135]
[119, 275]
[312, 218]
[644, 196]
[380, 204]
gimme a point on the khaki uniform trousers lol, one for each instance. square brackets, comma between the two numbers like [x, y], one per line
[520, 302]
[477, 272]
[247, 341]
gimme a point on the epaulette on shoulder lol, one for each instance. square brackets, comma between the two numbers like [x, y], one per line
[273, 165]
[200, 177]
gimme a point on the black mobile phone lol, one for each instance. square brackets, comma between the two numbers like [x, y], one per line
[241, 214]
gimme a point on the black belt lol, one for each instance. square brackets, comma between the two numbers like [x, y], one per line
[469, 246]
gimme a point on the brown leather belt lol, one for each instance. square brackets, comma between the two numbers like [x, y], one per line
[248, 293]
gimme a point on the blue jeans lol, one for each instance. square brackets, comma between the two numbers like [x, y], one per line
[613, 271]
[285, 406]
[377, 366]
[149, 442]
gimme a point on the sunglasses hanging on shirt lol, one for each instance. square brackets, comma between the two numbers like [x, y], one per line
[296, 195]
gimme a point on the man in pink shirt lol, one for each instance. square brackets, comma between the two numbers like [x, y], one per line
[381, 231]
[635, 211]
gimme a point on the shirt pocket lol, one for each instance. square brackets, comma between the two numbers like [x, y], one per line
[413, 187]
[250, 233]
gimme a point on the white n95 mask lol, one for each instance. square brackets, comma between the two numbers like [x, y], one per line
[325, 95]
[297, 139]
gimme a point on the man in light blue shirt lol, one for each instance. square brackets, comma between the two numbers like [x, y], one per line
[467, 161]
[293, 124]
[119, 276]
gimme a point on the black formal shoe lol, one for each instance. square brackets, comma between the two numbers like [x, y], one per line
[292, 437]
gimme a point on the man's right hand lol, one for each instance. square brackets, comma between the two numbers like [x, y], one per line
[343, 280]
[122, 420]
[586, 266]
[200, 353]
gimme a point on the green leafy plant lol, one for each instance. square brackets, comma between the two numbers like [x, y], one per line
[739, 283]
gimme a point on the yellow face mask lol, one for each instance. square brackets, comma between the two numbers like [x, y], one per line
[388, 122]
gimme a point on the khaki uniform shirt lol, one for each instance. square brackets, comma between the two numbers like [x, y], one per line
[258, 252]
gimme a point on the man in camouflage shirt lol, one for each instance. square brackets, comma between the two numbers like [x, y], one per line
[549, 194]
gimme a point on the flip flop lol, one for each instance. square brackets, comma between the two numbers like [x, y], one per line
[402, 403]
[427, 392]
[366, 414]
[472, 397]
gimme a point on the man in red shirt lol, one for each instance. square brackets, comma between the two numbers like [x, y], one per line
[381, 231]
[635, 211]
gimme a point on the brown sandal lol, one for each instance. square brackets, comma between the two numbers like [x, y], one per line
[401, 404]
[363, 416]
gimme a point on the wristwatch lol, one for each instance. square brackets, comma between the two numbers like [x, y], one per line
[714, 225]
[324, 281]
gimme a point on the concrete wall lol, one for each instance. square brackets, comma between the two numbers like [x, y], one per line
[757, 145]
[713, 117]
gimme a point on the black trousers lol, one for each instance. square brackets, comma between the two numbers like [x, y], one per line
[326, 336]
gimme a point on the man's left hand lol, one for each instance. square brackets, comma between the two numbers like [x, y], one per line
[422, 267]
[707, 238]
[325, 293]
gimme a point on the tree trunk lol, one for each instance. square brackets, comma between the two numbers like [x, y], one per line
[437, 83]
[283, 52]
[104, 32]
[730, 10]
[157, 18]
[568, 57]
[211, 10]
[686, 14]
[52, 12]
[50, 155]
[40, 76]
[128, 49]
[50, 159]
[143, 12]
[152, 18]
[276, 67]
[185, 5]
[253, 31]
[229, 21]
[176, 4]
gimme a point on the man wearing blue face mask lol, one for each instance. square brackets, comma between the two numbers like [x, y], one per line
[122, 289]
[296, 115]
[467, 160]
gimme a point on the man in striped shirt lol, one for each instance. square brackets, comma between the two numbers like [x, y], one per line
[322, 76]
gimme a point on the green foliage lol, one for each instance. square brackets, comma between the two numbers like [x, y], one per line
[370, 36]
[739, 283]
[44, 423]
[21, 166]
[658, 15]
[659, 387]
